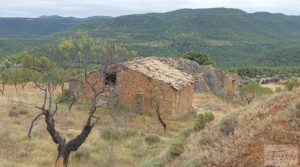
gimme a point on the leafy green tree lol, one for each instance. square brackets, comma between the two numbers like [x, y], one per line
[200, 58]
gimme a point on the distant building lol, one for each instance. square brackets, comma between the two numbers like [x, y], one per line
[135, 82]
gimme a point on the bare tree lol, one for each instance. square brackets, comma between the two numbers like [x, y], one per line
[157, 93]
[101, 98]
[103, 94]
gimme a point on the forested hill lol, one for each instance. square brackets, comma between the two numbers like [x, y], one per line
[44, 25]
[233, 37]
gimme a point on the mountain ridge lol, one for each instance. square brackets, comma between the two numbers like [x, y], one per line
[232, 36]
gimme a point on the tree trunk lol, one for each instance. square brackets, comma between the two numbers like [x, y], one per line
[62, 87]
[63, 156]
[62, 160]
[160, 118]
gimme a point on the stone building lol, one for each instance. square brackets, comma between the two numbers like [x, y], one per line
[142, 83]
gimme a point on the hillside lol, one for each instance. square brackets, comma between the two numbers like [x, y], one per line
[19, 34]
[269, 121]
[233, 37]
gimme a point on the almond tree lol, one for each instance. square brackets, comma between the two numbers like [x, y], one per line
[157, 93]
[77, 49]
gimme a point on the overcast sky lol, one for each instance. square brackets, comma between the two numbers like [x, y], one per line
[85, 8]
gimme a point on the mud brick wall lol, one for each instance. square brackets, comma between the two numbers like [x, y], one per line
[132, 90]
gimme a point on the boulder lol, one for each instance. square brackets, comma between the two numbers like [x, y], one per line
[208, 78]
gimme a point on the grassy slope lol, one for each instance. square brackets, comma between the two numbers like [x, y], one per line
[271, 120]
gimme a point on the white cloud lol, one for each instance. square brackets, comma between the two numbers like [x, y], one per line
[84, 8]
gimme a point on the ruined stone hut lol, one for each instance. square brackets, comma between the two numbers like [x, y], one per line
[140, 82]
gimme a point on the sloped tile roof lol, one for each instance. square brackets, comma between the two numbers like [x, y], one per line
[155, 68]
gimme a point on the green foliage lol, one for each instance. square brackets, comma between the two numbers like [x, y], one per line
[235, 38]
[66, 97]
[228, 124]
[194, 162]
[152, 162]
[176, 147]
[292, 83]
[252, 90]
[276, 72]
[202, 120]
[200, 58]
[111, 133]
[152, 139]
[185, 132]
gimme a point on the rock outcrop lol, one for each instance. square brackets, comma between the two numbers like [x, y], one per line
[207, 78]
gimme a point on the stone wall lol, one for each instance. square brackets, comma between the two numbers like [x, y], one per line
[133, 92]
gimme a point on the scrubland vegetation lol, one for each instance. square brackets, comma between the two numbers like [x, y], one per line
[119, 139]
[221, 131]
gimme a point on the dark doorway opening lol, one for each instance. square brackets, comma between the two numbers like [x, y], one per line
[110, 79]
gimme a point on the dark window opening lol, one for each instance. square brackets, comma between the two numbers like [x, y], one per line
[110, 79]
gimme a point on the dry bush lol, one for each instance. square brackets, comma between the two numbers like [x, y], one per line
[205, 138]
[152, 139]
[228, 124]
[298, 106]
[152, 162]
[194, 162]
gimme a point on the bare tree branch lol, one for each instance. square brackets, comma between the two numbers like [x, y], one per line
[32, 123]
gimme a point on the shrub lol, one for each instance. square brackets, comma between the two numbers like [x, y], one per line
[202, 120]
[205, 138]
[292, 83]
[194, 162]
[151, 139]
[200, 58]
[13, 114]
[111, 133]
[298, 106]
[66, 97]
[227, 124]
[82, 154]
[298, 110]
[185, 132]
[252, 89]
[23, 112]
[152, 162]
[176, 147]
[278, 89]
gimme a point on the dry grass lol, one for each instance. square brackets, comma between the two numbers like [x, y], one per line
[269, 120]
[17, 110]
[208, 102]
[273, 86]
